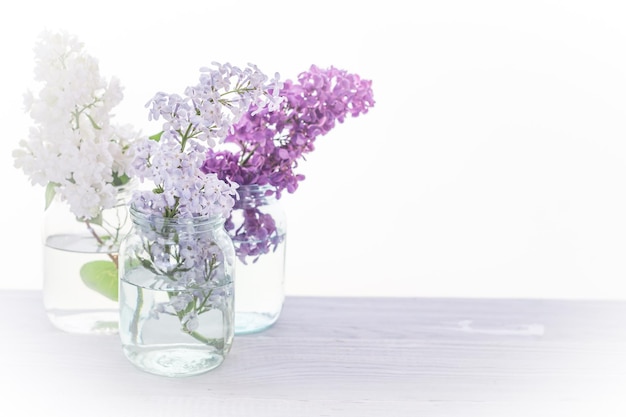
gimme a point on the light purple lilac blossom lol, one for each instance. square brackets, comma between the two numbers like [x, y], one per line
[191, 262]
[198, 119]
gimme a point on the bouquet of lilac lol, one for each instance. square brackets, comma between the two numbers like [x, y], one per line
[80, 156]
[181, 192]
[268, 143]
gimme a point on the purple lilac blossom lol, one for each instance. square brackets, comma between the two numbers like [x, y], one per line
[270, 142]
[254, 234]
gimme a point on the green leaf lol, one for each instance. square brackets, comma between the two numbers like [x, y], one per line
[93, 122]
[156, 137]
[119, 179]
[101, 276]
[50, 193]
[96, 220]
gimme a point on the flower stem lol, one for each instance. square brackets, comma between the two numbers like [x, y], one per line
[185, 137]
[134, 324]
[245, 159]
[199, 337]
[101, 242]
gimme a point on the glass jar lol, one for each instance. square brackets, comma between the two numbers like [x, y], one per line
[176, 294]
[80, 283]
[257, 226]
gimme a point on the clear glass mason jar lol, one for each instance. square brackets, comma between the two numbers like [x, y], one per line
[176, 294]
[80, 284]
[258, 228]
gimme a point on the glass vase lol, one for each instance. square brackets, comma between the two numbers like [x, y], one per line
[176, 294]
[80, 284]
[257, 226]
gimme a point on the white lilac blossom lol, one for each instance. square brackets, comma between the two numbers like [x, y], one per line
[73, 148]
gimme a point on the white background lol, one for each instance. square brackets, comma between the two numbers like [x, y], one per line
[492, 165]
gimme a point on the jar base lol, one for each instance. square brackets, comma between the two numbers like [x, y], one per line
[174, 361]
[97, 322]
[253, 322]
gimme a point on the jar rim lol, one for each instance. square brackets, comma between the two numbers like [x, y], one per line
[254, 191]
[139, 216]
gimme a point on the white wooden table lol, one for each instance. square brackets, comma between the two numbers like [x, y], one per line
[340, 357]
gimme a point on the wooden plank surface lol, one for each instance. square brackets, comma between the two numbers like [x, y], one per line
[340, 357]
